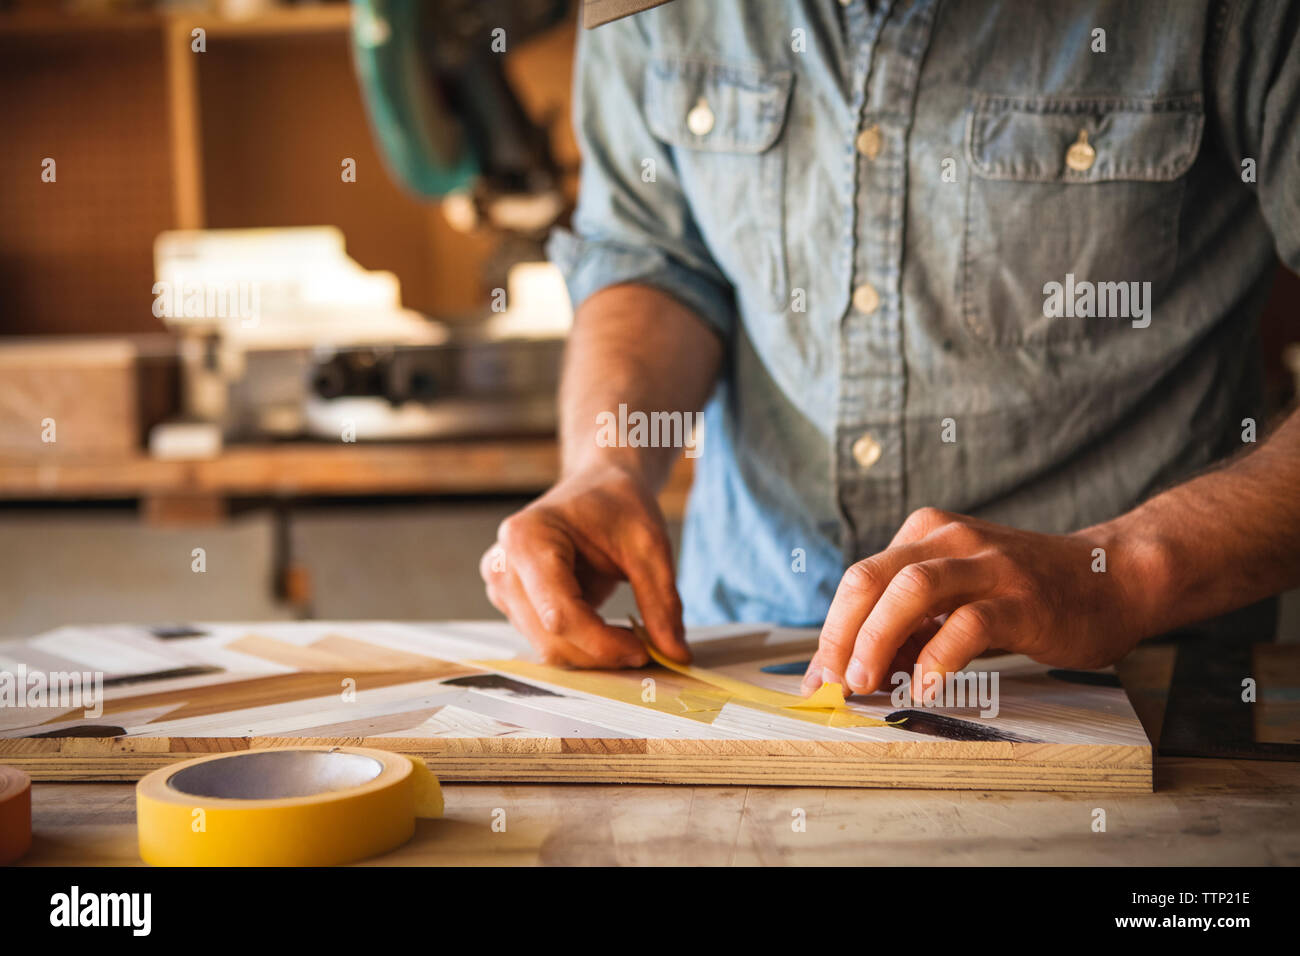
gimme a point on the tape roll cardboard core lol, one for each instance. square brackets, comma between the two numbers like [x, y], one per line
[276, 774]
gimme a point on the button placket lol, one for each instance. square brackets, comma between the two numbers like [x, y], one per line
[870, 471]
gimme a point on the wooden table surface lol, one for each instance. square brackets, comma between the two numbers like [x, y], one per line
[1207, 812]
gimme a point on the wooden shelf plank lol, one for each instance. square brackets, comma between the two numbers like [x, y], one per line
[519, 466]
[323, 18]
[498, 466]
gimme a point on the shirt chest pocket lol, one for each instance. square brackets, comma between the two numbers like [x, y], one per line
[723, 122]
[1072, 213]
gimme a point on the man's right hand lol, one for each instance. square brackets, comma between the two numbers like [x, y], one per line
[557, 560]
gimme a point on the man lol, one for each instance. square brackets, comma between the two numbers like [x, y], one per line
[968, 292]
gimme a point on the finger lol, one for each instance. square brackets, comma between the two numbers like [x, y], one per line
[858, 591]
[566, 615]
[492, 563]
[543, 560]
[507, 595]
[968, 631]
[905, 660]
[919, 524]
[491, 567]
[650, 572]
[918, 591]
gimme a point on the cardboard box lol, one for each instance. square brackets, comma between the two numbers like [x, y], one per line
[71, 398]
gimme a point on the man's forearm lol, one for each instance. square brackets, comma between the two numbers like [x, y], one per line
[1215, 543]
[635, 346]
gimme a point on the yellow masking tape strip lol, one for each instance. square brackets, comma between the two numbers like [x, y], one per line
[701, 701]
[324, 829]
[622, 686]
[828, 699]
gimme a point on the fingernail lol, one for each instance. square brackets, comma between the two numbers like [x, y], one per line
[633, 660]
[830, 677]
[856, 674]
[812, 680]
[551, 620]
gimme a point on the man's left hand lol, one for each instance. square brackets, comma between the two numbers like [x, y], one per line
[950, 587]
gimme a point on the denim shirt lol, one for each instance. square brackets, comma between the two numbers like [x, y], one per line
[914, 226]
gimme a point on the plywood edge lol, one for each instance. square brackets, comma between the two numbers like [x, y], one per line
[1123, 755]
[699, 770]
[799, 772]
[620, 760]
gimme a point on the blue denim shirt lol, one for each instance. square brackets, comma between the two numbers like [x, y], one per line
[870, 204]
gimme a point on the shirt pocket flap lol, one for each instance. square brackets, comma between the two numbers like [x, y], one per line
[715, 105]
[1029, 139]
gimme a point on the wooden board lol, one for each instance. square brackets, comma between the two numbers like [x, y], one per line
[470, 466]
[468, 698]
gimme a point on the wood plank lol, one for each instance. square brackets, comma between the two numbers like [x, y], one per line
[183, 116]
[516, 466]
[474, 711]
[520, 465]
[187, 511]
[766, 770]
[324, 18]
[334, 18]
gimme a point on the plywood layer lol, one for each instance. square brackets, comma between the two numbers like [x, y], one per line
[467, 697]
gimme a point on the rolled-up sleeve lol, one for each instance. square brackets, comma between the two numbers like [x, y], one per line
[1257, 92]
[633, 222]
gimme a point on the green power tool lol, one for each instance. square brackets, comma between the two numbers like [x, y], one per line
[442, 108]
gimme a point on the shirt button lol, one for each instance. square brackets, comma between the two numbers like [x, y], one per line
[700, 119]
[1080, 156]
[866, 451]
[866, 299]
[870, 141]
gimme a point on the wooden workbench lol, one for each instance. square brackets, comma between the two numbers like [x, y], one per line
[1205, 812]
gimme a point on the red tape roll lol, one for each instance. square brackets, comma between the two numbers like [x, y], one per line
[15, 814]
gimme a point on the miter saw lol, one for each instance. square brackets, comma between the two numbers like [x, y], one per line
[331, 349]
[443, 110]
[451, 128]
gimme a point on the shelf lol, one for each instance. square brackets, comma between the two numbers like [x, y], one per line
[322, 18]
[293, 469]
[520, 466]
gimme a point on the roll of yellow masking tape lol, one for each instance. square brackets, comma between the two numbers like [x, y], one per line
[300, 806]
[15, 814]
